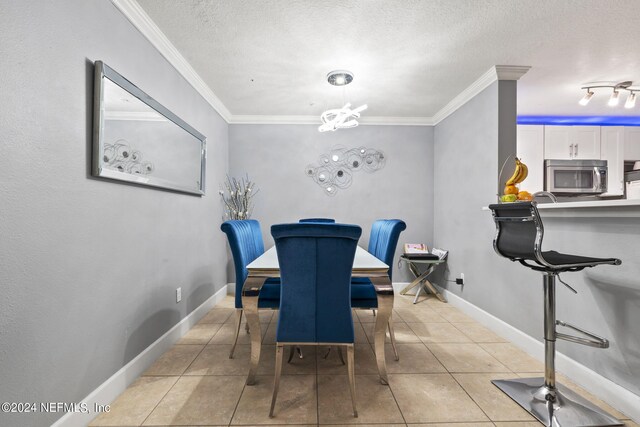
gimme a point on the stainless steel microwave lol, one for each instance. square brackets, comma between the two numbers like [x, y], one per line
[575, 177]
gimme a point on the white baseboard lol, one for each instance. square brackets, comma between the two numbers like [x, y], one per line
[605, 389]
[118, 382]
[231, 288]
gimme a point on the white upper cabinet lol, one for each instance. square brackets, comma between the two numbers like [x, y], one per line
[612, 150]
[632, 143]
[572, 142]
[530, 149]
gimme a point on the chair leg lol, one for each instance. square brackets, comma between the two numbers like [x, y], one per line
[374, 311]
[299, 352]
[352, 378]
[392, 335]
[291, 350]
[276, 378]
[246, 327]
[238, 323]
[327, 353]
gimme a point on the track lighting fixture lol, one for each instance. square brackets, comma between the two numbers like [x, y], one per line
[614, 99]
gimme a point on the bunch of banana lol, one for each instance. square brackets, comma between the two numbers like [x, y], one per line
[519, 175]
[511, 192]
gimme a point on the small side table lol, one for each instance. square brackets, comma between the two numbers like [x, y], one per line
[421, 280]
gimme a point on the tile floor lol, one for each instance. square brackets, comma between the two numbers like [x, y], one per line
[442, 379]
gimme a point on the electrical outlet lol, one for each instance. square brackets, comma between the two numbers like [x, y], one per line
[462, 277]
[178, 294]
[460, 281]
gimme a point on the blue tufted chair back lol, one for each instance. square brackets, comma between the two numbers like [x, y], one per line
[245, 240]
[384, 239]
[322, 220]
[315, 272]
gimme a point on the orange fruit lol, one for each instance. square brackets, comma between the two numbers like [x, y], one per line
[510, 189]
[525, 195]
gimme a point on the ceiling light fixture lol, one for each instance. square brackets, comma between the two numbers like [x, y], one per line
[614, 99]
[340, 77]
[340, 118]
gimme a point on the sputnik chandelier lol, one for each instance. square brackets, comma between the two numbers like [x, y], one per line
[614, 99]
[340, 118]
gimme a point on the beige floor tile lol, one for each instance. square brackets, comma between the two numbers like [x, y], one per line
[265, 316]
[433, 302]
[375, 403]
[466, 358]
[227, 332]
[200, 333]
[497, 405]
[487, 424]
[304, 366]
[414, 358]
[452, 314]
[227, 302]
[136, 402]
[360, 335]
[217, 315]
[206, 400]
[512, 357]
[438, 333]
[403, 332]
[630, 423]
[175, 361]
[366, 316]
[365, 361]
[478, 333]
[214, 360]
[296, 403]
[519, 424]
[419, 315]
[425, 398]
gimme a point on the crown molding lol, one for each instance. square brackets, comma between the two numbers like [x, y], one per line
[139, 18]
[493, 74]
[315, 120]
[511, 72]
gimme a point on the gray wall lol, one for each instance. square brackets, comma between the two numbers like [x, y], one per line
[275, 157]
[473, 138]
[89, 267]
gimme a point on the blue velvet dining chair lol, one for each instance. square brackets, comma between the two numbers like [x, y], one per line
[245, 240]
[316, 261]
[382, 244]
[322, 220]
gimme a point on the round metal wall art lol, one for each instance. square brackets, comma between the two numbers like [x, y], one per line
[334, 170]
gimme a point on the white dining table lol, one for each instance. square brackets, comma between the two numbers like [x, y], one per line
[364, 265]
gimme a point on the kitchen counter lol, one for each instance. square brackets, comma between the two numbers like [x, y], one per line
[590, 209]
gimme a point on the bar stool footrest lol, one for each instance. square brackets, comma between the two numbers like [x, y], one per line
[592, 340]
[569, 409]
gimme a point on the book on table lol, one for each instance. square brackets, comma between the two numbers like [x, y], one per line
[418, 251]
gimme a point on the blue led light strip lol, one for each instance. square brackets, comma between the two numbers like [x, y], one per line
[580, 120]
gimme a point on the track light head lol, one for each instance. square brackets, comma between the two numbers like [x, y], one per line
[586, 98]
[614, 99]
[631, 100]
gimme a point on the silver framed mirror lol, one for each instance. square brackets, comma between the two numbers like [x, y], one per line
[138, 140]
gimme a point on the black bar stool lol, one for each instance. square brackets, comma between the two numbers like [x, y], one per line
[519, 237]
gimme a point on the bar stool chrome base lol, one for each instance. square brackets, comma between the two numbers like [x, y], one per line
[568, 409]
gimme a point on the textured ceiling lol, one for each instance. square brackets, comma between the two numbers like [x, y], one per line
[409, 57]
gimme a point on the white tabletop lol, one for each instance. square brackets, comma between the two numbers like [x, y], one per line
[363, 261]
